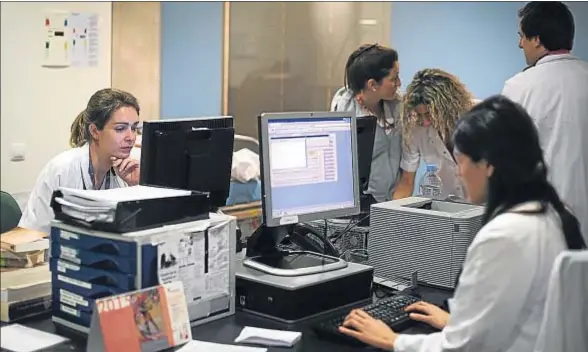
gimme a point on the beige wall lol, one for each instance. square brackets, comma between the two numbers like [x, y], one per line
[291, 56]
[39, 103]
[136, 53]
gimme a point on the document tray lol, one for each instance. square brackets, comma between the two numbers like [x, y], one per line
[144, 214]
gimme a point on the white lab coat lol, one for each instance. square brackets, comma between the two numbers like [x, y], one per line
[499, 302]
[68, 169]
[555, 94]
[565, 324]
[426, 144]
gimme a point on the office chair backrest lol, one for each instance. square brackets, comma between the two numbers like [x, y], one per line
[9, 212]
[565, 322]
[250, 143]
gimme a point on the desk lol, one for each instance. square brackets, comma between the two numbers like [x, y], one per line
[227, 329]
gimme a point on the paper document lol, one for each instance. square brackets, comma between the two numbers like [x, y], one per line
[268, 337]
[182, 259]
[18, 338]
[183, 255]
[123, 194]
[100, 205]
[200, 346]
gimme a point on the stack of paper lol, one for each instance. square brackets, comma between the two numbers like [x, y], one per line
[100, 205]
[25, 292]
[201, 346]
[268, 337]
[18, 338]
[23, 248]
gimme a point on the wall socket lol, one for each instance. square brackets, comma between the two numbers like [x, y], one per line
[18, 152]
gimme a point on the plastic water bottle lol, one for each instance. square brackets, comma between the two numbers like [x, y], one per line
[431, 184]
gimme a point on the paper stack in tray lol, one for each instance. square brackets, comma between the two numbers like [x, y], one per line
[100, 205]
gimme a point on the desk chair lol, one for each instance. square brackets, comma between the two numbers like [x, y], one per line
[9, 212]
[565, 322]
[241, 193]
[250, 143]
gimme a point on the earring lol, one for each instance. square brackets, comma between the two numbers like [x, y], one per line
[374, 89]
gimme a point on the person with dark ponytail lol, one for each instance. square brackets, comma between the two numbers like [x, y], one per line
[371, 90]
[500, 297]
[77, 138]
[102, 137]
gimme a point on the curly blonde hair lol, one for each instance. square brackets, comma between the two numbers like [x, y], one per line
[445, 96]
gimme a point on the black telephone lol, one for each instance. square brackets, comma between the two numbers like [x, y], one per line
[311, 239]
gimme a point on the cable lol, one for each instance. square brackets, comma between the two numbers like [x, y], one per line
[348, 228]
[325, 239]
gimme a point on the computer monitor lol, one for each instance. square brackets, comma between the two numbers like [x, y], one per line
[366, 133]
[309, 172]
[193, 154]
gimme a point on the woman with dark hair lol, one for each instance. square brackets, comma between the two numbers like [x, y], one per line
[500, 297]
[371, 89]
[103, 136]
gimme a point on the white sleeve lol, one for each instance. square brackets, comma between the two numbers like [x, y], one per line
[491, 293]
[38, 213]
[513, 90]
[411, 156]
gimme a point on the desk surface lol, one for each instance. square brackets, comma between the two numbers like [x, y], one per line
[227, 329]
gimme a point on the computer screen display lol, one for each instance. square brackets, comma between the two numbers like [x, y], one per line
[309, 167]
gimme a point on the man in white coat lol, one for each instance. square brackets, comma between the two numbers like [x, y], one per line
[554, 90]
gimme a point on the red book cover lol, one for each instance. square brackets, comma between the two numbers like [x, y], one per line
[152, 319]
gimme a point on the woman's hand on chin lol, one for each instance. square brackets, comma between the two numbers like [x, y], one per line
[128, 169]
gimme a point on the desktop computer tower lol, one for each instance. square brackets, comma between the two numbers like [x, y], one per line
[419, 234]
[295, 299]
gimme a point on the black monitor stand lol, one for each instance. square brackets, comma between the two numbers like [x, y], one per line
[264, 255]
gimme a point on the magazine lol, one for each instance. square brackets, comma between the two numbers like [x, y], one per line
[147, 320]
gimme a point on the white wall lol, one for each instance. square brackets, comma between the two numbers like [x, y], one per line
[39, 104]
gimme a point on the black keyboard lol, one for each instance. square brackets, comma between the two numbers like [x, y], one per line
[390, 310]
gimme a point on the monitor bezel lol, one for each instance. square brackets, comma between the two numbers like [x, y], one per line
[268, 218]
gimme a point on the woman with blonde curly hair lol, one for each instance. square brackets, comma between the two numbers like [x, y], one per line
[433, 103]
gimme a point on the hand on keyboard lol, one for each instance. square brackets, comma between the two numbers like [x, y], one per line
[373, 324]
[365, 328]
[428, 313]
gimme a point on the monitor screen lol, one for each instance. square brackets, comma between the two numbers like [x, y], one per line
[309, 167]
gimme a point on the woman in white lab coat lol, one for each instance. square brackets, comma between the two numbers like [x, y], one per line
[103, 135]
[499, 301]
[433, 102]
[371, 90]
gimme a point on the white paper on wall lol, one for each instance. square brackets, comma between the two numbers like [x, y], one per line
[56, 48]
[71, 39]
[84, 42]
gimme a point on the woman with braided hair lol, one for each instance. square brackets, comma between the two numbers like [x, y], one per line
[433, 103]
